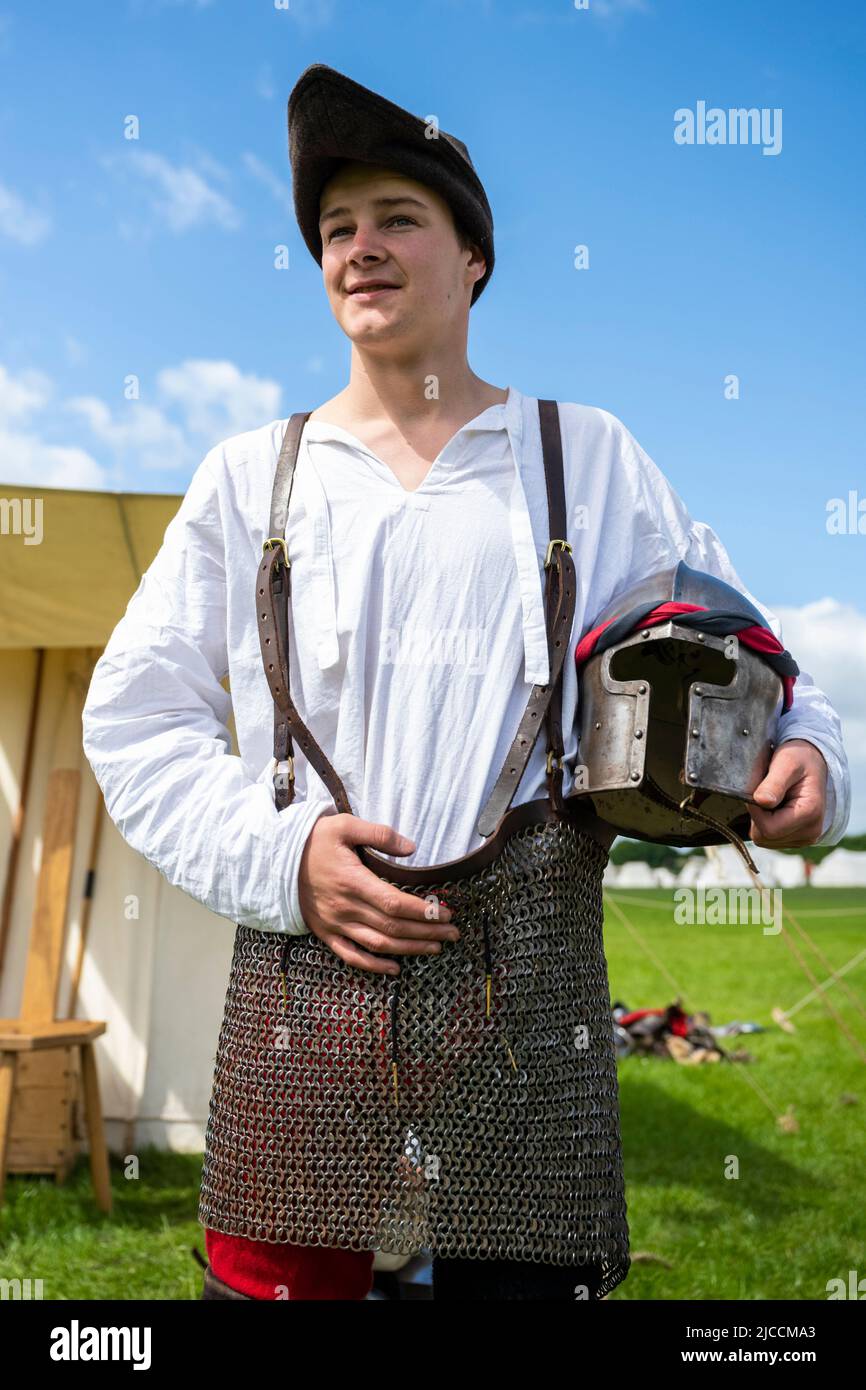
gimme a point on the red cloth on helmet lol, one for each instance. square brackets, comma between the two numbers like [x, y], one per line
[759, 638]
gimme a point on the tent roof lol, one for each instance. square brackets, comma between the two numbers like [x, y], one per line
[72, 588]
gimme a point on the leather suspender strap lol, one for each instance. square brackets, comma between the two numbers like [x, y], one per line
[554, 473]
[545, 701]
[273, 597]
[285, 474]
[273, 600]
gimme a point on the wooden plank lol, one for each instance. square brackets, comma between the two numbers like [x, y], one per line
[36, 1155]
[42, 1138]
[45, 955]
[7, 1094]
[95, 1131]
[51, 1068]
[23, 1035]
[18, 822]
[42, 1111]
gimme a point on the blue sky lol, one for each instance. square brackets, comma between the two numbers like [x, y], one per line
[154, 257]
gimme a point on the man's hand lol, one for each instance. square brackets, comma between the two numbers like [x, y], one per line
[796, 785]
[348, 906]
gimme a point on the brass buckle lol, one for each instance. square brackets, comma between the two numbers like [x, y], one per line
[273, 541]
[281, 780]
[565, 545]
[550, 756]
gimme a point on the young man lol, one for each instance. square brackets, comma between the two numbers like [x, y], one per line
[416, 538]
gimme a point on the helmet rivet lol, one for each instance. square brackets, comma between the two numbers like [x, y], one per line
[645, 632]
[598, 724]
[745, 731]
[695, 733]
[700, 637]
[638, 733]
[635, 777]
[698, 690]
[641, 690]
[692, 775]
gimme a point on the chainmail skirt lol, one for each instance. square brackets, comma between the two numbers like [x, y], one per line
[468, 1106]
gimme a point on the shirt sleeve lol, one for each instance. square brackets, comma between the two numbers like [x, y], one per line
[664, 533]
[155, 734]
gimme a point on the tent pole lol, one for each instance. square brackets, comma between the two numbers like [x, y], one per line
[18, 822]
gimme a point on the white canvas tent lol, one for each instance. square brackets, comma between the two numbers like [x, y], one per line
[664, 878]
[150, 949]
[691, 871]
[724, 867]
[635, 873]
[844, 868]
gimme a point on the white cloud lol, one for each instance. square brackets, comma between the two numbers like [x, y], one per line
[275, 185]
[188, 199]
[189, 408]
[26, 456]
[29, 459]
[216, 399]
[22, 396]
[19, 221]
[828, 640]
[180, 195]
[208, 165]
[140, 432]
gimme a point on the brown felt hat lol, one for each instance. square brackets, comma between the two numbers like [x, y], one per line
[333, 119]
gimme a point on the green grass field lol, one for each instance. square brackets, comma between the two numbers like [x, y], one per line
[790, 1222]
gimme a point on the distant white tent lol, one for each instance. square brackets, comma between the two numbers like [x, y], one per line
[611, 874]
[724, 867]
[789, 869]
[844, 868]
[635, 874]
[690, 871]
[664, 878]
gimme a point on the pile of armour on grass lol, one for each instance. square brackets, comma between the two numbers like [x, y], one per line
[687, 1038]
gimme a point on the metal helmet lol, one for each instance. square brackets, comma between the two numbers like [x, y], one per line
[677, 713]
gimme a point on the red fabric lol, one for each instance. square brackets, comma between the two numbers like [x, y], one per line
[262, 1269]
[759, 638]
[677, 1021]
[625, 1019]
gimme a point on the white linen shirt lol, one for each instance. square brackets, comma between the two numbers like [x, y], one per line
[417, 632]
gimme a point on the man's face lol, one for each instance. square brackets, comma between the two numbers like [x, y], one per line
[378, 225]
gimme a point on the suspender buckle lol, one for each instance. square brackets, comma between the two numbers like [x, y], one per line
[284, 773]
[273, 541]
[551, 759]
[547, 559]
